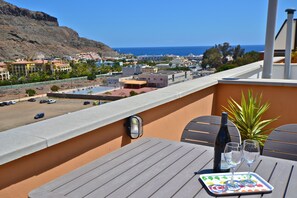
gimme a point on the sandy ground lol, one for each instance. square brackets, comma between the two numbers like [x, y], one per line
[22, 113]
[126, 92]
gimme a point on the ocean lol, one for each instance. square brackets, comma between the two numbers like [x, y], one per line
[181, 51]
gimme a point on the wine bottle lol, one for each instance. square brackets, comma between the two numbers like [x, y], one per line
[223, 137]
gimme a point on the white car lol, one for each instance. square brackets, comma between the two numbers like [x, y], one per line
[51, 101]
[12, 102]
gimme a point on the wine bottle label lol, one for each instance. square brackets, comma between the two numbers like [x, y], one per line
[224, 164]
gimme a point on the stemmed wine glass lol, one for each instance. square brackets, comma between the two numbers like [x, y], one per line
[233, 156]
[251, 151]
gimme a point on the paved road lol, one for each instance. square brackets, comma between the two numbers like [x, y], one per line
[22, 113]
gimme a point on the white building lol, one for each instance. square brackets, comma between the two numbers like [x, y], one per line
[165, 78]
[132, 70]
[150, 57]
[88, 56]
[180, 62]
[149, 69]
[117, 81]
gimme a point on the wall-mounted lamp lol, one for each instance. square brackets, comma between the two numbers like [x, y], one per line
[134, 126]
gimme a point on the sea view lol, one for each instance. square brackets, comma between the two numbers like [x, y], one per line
[181, 51]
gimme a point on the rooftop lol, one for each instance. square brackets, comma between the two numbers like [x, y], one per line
[40, 152]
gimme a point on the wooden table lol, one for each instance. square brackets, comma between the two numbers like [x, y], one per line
[153, 167]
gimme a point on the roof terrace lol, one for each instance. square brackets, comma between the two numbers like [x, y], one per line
[34, 154]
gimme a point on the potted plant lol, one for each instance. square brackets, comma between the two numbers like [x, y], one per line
[247, 116]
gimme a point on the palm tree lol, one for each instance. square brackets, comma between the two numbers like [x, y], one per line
[237, 52]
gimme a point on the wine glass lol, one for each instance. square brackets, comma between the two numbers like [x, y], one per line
[233, 156]
[251, 151]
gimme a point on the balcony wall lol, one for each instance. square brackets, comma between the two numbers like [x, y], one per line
[35, 154]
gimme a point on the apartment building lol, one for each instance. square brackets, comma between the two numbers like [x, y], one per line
[4, 73]
[61, 67]
[23, 68]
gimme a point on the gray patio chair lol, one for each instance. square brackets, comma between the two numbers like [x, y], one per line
[282, 142]
[203, 130]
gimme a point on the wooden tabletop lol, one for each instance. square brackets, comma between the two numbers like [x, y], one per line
[153, 167]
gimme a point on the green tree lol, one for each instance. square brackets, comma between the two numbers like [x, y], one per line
[133, 93]
[91, 76]
[212, 58]
[247, 58]
[105, 69]
[30, 92]
[225, 50]
[237, 52]
[225, 67]
[55, 88]
[34, 77]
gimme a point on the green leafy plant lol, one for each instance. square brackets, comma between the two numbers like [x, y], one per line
[30, 92]
[55, 88]
[133, 93]
[247, 116]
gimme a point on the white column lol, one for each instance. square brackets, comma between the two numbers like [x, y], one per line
[287, 73]
[269, 41]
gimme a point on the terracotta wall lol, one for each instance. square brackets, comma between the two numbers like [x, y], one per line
[167, 121]
[282, 100]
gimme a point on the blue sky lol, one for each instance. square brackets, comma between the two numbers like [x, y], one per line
[152, 23]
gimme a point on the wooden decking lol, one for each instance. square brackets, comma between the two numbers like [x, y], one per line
[160, 168]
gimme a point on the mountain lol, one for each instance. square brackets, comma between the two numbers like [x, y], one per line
[25, 33]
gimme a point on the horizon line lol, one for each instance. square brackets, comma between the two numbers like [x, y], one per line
[183, 46]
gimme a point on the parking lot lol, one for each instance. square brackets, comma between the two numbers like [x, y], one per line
[22, 113]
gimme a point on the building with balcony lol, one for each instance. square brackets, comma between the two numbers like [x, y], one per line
[23, 68]
[61, 67]
[4, 73]
[35, 154]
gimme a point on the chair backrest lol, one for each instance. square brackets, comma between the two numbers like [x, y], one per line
[282, 142]
[203, 130]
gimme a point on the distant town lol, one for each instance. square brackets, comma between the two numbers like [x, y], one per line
[123, 71]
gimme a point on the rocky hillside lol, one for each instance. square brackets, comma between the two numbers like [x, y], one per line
[24, 33]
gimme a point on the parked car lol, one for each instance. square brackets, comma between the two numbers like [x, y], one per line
[2, 104]
[39, 115]
[43, 101]
[87, 102]
[12, 102]
[5, 103]
[32, 100]
[51, 101]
